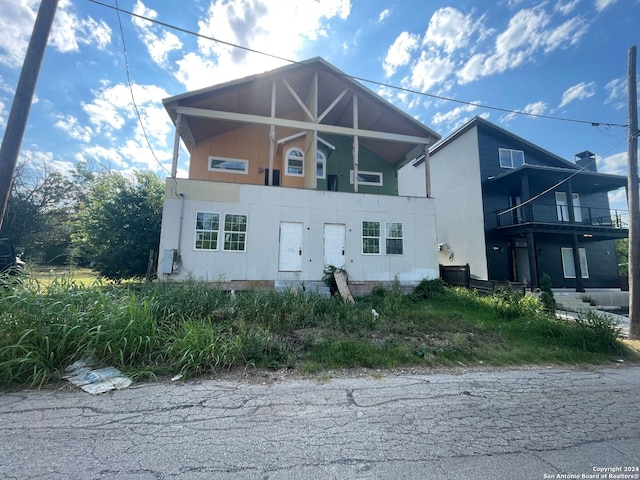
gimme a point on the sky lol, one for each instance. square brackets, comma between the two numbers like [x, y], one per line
[441, 61]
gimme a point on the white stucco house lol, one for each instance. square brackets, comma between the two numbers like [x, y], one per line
[293, 170]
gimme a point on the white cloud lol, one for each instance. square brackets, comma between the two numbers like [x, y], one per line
[399, 53]
[617, 92]
[566, 35]
[602, 4]
[615, 164]
[108, 158]
[431, 70]
[69, 30]
[70, 125]
[578, 92]
[535, 108]
[3, 120]
[449, 29]
[529, 32]
[67, 33]
[618, 200]
[16, 24]
[159, 45]
[384, 15]
[45, 161]
[456, 117]
[567, 6]
[113, 115]
[272, 26]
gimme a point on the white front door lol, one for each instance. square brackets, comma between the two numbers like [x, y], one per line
[334, 244]
[290, 247]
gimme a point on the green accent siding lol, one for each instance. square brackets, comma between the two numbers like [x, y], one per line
[340, 163]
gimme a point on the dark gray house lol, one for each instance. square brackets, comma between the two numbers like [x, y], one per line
[514, 211]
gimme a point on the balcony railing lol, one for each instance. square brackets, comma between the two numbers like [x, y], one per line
[559, 215]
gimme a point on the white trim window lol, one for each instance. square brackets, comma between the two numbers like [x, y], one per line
[207, 230]
[511, 158]
[294, 162]
[367, 178]
[394, 241]
[562, 207]
[235, 233]
[321, 165]
[569, 268]
[370, 238]
[228, 165]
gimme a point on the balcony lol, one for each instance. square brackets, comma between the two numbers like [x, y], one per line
[557, 216]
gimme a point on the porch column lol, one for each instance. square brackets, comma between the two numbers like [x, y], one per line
[356, 145]
[576, 263]
[572, 213]
[524, 198]
[574, 244]
[427, 170]
[176, 147]
[533, 264]
[272, 134]
[311, 138]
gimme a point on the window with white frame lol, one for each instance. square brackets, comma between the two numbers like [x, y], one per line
[294, 162]
[393, 238]
[371, 238]
[511, 158]
[207, 229]
[228, 165]
[235, 233]
[569, 268]
[321, 165]
[367, 178]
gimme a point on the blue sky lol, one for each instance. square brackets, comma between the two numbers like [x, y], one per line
[559, 58]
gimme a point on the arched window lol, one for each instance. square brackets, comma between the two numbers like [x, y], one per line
[295, 163]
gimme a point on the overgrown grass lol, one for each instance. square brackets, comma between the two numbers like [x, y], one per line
[194, 329]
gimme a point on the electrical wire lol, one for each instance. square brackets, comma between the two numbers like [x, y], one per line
[133, 98]
[354, 77]
[561, 182]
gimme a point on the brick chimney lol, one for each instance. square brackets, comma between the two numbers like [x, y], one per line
[587, 161]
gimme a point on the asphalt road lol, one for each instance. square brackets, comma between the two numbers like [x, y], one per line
[517, 424]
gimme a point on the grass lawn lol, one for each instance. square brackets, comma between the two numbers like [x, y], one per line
[149, 329]
[42, 276]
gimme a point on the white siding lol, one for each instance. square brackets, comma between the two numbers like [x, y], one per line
[457, 191]
[266, 207]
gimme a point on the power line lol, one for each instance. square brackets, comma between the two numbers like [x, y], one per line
[133, 98]
[354, 77]
[561, 182]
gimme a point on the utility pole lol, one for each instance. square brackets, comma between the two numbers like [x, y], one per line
[634, 206]
[17, 121]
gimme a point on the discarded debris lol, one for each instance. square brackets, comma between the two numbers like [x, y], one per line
[175, 378]
[343, 288]
[95, 379]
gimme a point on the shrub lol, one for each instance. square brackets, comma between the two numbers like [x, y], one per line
[546, 297]
[427, 289]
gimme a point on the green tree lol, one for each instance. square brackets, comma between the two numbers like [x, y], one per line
[622, 253]
[37, 216]
[119, 223]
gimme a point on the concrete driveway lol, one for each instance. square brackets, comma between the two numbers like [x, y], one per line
[515, 424]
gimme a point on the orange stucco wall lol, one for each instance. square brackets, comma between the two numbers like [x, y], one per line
[250, 143]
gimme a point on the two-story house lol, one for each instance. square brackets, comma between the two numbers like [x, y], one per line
[514, 211]
[290, 171]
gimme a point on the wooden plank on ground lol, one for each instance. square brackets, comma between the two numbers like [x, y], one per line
[343, 288]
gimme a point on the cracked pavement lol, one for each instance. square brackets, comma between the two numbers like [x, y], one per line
[506, 424]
